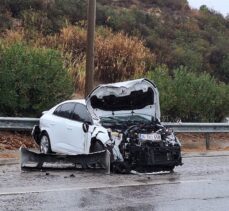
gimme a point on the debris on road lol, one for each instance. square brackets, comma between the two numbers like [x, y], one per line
[30, 160]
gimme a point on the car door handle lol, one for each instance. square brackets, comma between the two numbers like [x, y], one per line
[69, 128]
[52, 124]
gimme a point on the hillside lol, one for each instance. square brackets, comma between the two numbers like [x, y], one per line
[177, 35]
[185, 51]
[197, 39]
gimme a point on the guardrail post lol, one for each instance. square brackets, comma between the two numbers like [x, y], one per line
[207, 140]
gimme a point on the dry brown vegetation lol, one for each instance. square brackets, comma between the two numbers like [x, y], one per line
[13, 141]
[117, 56]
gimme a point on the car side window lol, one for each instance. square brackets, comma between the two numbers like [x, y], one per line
[81, 114]
[64, 110]
[57, 111]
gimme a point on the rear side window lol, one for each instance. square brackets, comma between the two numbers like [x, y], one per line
[64, 110]
[81, 114]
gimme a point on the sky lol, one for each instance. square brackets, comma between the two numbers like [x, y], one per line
[221, 6]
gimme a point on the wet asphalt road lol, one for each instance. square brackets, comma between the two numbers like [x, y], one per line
[202, 183]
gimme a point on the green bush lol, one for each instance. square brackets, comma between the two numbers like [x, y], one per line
[164, 83]
[190, 97]
[32, 80]
[37, 21]
[16, 6]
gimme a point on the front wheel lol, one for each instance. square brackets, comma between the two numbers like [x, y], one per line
[45, 146]
[96, 146]
[168, 168]
[171, 168]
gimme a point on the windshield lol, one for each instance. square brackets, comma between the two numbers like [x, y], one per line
[122, 120]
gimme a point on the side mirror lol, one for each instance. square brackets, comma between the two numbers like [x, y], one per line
[85, 127]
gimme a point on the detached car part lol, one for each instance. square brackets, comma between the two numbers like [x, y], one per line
[32, 160]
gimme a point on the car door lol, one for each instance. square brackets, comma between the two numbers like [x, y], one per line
[60, 131]
[77, 138]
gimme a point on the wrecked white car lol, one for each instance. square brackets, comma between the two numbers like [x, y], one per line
[121, 117]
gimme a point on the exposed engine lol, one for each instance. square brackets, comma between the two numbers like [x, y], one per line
[144, 147]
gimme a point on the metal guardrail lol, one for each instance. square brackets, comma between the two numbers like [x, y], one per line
[26, 124]
[17, 123]
[198, 127]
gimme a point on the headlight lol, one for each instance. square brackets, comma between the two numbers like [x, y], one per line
[171, 139]
[116, 137]
[110, 142]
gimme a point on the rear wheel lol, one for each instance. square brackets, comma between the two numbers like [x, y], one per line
[45, 146]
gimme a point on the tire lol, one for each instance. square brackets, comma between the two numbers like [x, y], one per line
[121, 167]
[96, 146]
[169, 168]
[45, 146]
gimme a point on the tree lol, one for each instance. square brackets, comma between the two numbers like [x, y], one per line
[32, 80]
[190, 97]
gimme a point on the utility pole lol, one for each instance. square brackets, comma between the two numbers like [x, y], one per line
[91, 17]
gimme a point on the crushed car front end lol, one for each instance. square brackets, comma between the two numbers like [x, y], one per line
[142, 145]
[131, 113]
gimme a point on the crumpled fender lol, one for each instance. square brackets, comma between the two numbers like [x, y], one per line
[100, 133]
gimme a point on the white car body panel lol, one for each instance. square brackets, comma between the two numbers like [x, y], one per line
[101, 134]
[67, 136]
[75, 137]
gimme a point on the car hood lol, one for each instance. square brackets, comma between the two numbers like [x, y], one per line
[138, 97]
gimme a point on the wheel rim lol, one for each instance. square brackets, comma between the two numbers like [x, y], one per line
[44, 144]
